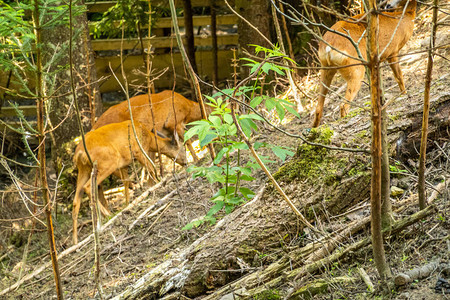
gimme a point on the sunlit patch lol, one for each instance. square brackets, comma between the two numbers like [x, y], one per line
[201, 152]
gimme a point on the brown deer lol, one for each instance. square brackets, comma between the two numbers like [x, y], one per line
[113, 146]
[395, 29]
[166, 121]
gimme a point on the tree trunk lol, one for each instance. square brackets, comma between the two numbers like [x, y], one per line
[257, 13]
[426, 110]
[215, 75]
[386, 205]
[41, 95]
[189, 33]
[375, 194]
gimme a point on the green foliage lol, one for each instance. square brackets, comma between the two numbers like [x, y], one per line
[267, 65]
[220, 129]
[131, 14]
[18, 40]
[397, 168]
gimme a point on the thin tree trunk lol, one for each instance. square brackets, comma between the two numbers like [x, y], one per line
[96, 224]
[375, 194]
[150, 85]
[41, 152]
[426, 110]
[215, 76]
[190, 70]
[386, 205]
[189, 33]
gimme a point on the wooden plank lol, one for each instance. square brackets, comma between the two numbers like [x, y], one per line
[8, 111]
[161, 61]
[159, 42]
[105, 5]
[94, 7]
[198, 21]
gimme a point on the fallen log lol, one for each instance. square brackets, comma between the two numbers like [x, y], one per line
[419, 273]
[252, 281]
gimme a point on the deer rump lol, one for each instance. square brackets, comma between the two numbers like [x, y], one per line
[395, 29]
[113, 147]
[171, 113]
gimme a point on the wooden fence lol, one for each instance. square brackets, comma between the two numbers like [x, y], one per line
[134, 64]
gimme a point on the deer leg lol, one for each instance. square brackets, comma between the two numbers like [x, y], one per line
[123, 175]
[147, 165]
[393, 63]
[103, 204]
[354, 77]
[81, 181]
[326, 76]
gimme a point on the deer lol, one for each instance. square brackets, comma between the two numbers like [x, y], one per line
[170, 117]
[113, 147]
[336, 51]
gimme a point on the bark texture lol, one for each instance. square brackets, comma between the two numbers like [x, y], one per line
[258, 14]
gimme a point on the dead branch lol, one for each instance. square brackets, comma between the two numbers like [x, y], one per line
[419, 273]
[366, 279]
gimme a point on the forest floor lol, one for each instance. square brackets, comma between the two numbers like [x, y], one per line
[265, 230]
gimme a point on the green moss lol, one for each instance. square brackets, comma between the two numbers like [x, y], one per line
[268, 295]
[312, 162]
[393, 117]
[318, 164]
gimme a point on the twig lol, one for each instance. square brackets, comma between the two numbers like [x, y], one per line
[96, 227]
[166, 207]
[366, 279]
[146, 211]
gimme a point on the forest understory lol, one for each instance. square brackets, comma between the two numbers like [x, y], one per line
[261, 250]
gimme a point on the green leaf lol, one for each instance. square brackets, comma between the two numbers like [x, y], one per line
[266, 68]
[215, 120]
[246, 126]
[258, 145]
[235, 200]
[282, 152]
[256, 101]
[292, 110]
[278, 70]
[207, 139]
[280, 110]
[247, 177]
[252, 116]
[221, 154]
[270, 104]
[229, 209]
[228, 118]
[215, 177]
[216, 208]
[240, 145]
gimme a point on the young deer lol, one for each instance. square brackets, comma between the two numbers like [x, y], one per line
[113, 146]
[395, 29]
[166, 121]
